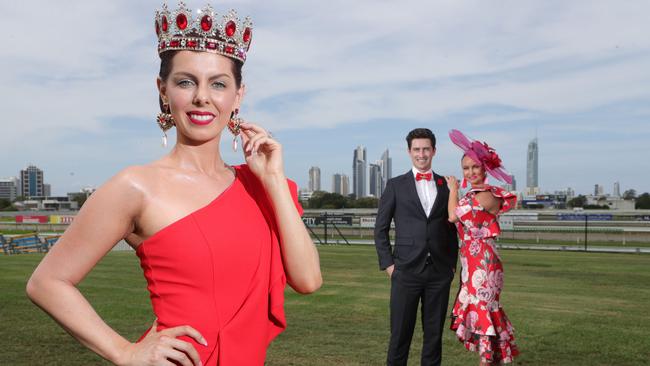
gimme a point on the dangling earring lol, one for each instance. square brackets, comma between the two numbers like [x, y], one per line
[464, 183]
[165, 122]
[233, 126]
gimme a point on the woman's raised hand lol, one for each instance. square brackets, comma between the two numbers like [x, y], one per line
[263, 153]
[452, 183]
[163, 348]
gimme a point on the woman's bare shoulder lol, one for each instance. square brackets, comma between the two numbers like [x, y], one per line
[134, 182]
[140, 176]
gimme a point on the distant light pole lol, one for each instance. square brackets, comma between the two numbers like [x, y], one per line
[586, 224]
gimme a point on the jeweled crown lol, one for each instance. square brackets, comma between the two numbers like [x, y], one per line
[179, 30]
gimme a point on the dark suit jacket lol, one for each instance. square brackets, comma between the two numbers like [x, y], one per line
[416, 235]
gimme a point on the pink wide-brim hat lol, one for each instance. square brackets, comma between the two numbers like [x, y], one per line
[481, 153]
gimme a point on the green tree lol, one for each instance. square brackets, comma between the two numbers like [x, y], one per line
[579, 201]
[366, 202]
[316, 199]
[630, 194]
[4, 203]
[596, 207]
[332, 200]
[643, 201]
[80, 198]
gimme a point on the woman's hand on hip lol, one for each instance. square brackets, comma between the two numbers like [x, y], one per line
[262, 152]
[163, 348]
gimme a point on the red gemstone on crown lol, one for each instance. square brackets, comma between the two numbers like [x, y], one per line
[206, 23]
[211, 46]
[229, 49]
[181, 21]
[191, 44]
[174, 43]
[247, 35]
[231, 28]
[165, 26]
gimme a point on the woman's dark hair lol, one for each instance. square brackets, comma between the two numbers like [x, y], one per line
[421, 133]
[166, 65]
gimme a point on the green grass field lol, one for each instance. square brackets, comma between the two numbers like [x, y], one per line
[567, 308]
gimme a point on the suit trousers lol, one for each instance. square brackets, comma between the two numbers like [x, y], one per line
[407, 290]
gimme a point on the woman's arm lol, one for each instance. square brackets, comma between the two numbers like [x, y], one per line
[106, 217]
[264, 157]
[452, 204]
[299, 253]
[489, 202]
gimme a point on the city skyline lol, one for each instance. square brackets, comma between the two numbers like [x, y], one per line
[573, 74]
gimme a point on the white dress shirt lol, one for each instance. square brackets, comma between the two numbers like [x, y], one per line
[427, 191]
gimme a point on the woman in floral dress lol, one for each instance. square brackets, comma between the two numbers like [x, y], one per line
[477, 317]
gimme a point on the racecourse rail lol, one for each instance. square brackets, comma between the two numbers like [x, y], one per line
[610, 231]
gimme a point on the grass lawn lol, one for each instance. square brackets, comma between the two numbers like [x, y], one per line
[567, 308]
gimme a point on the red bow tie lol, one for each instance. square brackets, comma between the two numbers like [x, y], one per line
[420, 176]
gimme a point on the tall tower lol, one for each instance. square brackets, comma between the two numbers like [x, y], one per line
[532, 168]
[386, 164]
[376, 180]
[359, 172]
[341, 184]
[314, 179]
[345, 185]
[31, 182]
[617, 189]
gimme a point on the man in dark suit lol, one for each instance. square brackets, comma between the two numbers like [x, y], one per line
[423, 261]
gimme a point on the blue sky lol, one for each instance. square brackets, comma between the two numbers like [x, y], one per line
[326, 76]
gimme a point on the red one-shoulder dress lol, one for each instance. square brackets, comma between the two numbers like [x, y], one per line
[219, 270]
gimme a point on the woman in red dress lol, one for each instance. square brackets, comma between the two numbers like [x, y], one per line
[477, 317]
[216, 243]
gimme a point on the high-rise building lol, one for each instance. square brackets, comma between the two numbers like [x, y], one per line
[31, 181]
[532, 168]
[511, 186]
[570, 193]
[314, 179]
[9, 188]
[386, 164]
[341, 184]
[47, 190]
[359, 172]
[617, 189]
[376, 179]
[599, 190]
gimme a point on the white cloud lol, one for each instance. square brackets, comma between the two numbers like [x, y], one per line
[316, 64]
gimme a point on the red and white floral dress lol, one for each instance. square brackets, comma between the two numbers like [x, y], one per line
[478, 318]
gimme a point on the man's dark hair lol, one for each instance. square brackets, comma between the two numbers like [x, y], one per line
[421, 133]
